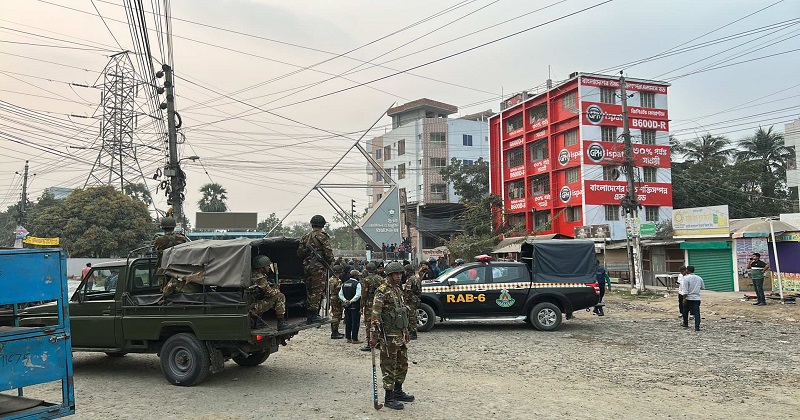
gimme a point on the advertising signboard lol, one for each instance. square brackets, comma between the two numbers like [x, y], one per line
[701, 222]
[629, 85]
[612, 192]
[608, 153]
[611, 115]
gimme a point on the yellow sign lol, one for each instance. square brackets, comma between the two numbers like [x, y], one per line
[32, 240]
[466, 298]
[701, 222]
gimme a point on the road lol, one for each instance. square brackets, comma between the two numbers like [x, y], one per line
[634, 363]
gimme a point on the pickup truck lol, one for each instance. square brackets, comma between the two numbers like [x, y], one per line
[554, 277]
[193, 333]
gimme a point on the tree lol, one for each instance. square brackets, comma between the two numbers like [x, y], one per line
[765, 150]
[214, 196]
[139, 192]
[267, 224]
[713, 150]
[469, 182]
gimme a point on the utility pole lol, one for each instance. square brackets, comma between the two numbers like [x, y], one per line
[352, 224]
[20, 231]
[630, 202]
[173, 169]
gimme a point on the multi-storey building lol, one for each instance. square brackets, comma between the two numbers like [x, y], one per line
[423, 140]
[556, 156]
[791, 138]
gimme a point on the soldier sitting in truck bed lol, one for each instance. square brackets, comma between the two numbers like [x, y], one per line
[265, 294]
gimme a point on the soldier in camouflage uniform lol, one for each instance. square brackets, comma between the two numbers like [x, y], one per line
[369, 284]
[315, 268]
[265, 295]
[334, 284]
[169, 239]
[412, 291]
[389, 326]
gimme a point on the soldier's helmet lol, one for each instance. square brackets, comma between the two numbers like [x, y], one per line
[394, 267]
[337, 268]
[409, 268]
[371, 267]
[261, 261]
[355, 273]
[459, 261]
[317, 221]
[168, 222]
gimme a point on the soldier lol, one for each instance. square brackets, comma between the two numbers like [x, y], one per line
[265, 294]
[169, 239]
[369, 284]
[412, 291]
[334, 285]
[314, 247]
[389, 325]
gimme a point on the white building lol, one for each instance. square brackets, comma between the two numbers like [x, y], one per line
[791, 138]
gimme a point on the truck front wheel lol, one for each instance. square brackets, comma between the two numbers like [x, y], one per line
[545, 316]
[185, 360]
[254, 359]
[425, 317]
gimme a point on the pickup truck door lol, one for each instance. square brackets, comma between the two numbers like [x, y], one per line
[92, 311]
[467, 296]
[509, 289]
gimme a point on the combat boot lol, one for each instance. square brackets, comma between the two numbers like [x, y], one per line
[390, 402]
[399, 395]
[282, 325]
[335, 334]
[600, 311]
[259, 322]
[413, 335]
[313, 317]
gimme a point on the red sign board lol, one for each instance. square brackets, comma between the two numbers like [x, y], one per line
[629, 85]
[611, 115]
[510, 144]
[612, 192]
[516, 204]
[569, 195]
[569, 156]
[539, 167]
[541, 202]
[608, 153]
[515, 172]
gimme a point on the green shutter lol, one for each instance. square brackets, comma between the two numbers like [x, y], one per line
[715, 266]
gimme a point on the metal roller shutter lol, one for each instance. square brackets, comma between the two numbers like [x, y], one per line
[715, 266]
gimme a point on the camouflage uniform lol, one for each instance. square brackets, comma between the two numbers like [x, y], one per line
[412, 290]
[389, 324]
[315, 269]
[272, 296]
[334, 284]
[369, 285]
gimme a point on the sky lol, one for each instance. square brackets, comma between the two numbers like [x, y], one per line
[272, 93]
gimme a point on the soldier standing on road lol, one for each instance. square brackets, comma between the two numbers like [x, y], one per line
[169, 239]
[412, 291]
[265, 294]
[334, 285]
[315, 245]
[389, 326]
[369, 285]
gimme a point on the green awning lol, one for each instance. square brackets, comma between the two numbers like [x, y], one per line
[706, 245]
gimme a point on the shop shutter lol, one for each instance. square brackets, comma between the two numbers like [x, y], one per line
[715, 266]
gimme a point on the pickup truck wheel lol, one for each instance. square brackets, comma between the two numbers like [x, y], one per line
[254, 359]
[425, 317]
[545, 316]
[185, 360]
[116, 354]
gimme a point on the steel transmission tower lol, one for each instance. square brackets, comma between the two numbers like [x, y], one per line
[116, 162]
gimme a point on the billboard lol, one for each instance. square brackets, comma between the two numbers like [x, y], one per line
[701, 222]
[608, 153]
[612, 192]
[225, 220]
[595, 113]
[381, 225]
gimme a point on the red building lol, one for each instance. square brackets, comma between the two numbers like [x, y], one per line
[556, 157]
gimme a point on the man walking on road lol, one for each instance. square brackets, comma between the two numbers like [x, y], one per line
[757, 268]
[84, 272]
[694, 284]
[681, 289]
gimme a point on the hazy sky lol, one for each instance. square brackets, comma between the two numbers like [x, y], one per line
[267, 162]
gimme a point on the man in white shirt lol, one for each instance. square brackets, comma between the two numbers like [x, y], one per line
[681, 289]
[350, 295]
[693, 284]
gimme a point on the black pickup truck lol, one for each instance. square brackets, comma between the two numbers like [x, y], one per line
[554, 277]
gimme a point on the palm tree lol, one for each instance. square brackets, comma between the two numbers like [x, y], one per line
[214, 196]
[708, 149]
[767, 151]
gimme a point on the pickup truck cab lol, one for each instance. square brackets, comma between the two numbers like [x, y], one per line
[193, 333]
[554, 277]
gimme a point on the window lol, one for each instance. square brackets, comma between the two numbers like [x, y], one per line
[610, 173]
[612, 212]
[401, 147]
[538, 113]
[501, 274]
[475, 275]
[438, 192]
[651, 213]
[401, 171]
[540, 185]
[387, 152]
[438, 140]
[608, 133]
[388, 171]
[514, 123]
[516, 189]
[516, 221]
[466, 139]
[572, 214]
[378, 197]
[573, 174]
[378, 176]
[649, 174]
[541, 220]
[571, 137]
[515, 157]
[648, 136]
[648, 99]
[144, 280]
[569, 101]
[539, 151]
[379, 154]
[791, 159]
[438, 162]
[468, 162]
[608, 96]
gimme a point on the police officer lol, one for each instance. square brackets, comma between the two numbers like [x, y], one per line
[265, 294]
[389, 326]
[334, 285]
[169, 239]
[412, 292]
[369, 284]
[315, 249]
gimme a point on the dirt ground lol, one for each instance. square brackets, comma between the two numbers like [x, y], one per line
[634, 363]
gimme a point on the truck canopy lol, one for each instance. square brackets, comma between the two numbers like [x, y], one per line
[226, 262]
[559, 261]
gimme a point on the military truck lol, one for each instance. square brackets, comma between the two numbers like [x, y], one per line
[194, 334]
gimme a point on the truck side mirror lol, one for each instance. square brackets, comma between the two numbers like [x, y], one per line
[452, 282]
